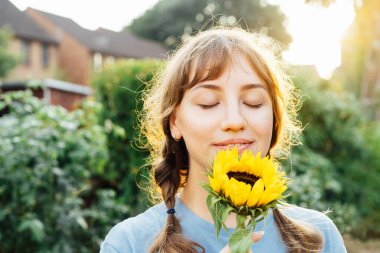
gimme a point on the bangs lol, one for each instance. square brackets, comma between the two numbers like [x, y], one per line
[209, 64]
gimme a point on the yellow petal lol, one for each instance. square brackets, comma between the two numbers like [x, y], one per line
[267, 198]
[256, 193]
[215, 184]
[227, 189]
[239, 193]
[268, 175]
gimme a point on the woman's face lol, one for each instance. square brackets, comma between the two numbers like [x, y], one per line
[234, 110]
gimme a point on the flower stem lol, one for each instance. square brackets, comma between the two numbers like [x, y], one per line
[240, 241]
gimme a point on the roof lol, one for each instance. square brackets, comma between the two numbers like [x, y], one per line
[128, 44]
[48, 83]
[21, 24]
[123, 44]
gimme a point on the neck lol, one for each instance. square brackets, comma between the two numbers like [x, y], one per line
[194, 196]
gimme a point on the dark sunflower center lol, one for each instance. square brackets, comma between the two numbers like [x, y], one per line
[243, 177]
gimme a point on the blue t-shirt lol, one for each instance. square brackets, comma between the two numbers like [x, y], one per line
[137, 234]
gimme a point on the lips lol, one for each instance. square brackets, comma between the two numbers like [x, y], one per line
[240, 144]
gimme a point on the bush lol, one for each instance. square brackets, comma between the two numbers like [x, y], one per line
[47, 158]
[118, 89]
[337, 166]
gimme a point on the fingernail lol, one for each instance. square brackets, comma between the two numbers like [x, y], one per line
[261, 233]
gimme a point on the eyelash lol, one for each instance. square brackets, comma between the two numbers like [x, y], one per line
[208, 106]
[213, 105]
[253, 106]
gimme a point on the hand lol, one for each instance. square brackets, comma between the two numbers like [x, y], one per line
[255, 238]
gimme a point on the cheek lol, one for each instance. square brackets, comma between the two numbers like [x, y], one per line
[261, 122]
[197, 129]
[194, 122]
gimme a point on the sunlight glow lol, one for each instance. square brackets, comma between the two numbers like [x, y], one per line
[316, 33]
[316, 30]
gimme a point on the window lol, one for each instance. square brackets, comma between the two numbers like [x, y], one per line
[45, 55]
[25, 52]
[97, 61]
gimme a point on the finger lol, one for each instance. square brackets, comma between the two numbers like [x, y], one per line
[257, 236]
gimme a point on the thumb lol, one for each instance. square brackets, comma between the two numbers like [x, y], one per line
[256, 236]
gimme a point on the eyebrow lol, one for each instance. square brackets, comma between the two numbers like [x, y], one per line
[217, 87]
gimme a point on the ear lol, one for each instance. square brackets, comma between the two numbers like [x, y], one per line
[174, 129]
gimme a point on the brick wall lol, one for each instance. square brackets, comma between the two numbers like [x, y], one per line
[74, 59]
[35, 68]
[66, 99]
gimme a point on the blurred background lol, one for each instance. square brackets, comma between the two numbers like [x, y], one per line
[71, 76]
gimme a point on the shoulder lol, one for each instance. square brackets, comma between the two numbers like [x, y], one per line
[318, 219]
[306, 215]
[136, 233]
[333, 241]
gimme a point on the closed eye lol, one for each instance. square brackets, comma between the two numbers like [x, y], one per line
[253, 105]
[208, 106]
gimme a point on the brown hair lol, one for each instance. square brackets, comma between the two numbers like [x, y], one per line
[207, 55]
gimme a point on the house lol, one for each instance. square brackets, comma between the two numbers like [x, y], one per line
[36, 48]
[83, 52]
[37, 51]
[52, 47]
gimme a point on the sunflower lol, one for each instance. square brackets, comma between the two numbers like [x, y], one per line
[250, 181]
[247, 185]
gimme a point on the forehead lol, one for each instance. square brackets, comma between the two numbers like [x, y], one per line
[212, 67]
[237, 70]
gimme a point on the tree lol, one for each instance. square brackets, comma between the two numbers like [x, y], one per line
[7, 60]
[361, 54]
[170, 21]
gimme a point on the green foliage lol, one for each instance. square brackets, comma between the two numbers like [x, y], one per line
[337, 166]
[371, 214]
[169, 20]
[47, 158]
[7, 60]
[118, 89]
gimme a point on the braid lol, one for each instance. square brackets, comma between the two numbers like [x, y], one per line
[168, 176]
[299, 238]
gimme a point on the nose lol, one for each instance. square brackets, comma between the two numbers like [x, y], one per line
[233, 119]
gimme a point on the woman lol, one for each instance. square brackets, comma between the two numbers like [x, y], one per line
[220, 88]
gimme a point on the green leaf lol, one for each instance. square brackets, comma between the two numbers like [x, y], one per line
[2, 105]
[36, 228]
[224, 211]
[82, 222]
[219, 212]
[207, 187]
[212, 204]
[240, 241]
[212, 207]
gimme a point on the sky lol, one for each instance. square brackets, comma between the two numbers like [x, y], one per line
[316, 31]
